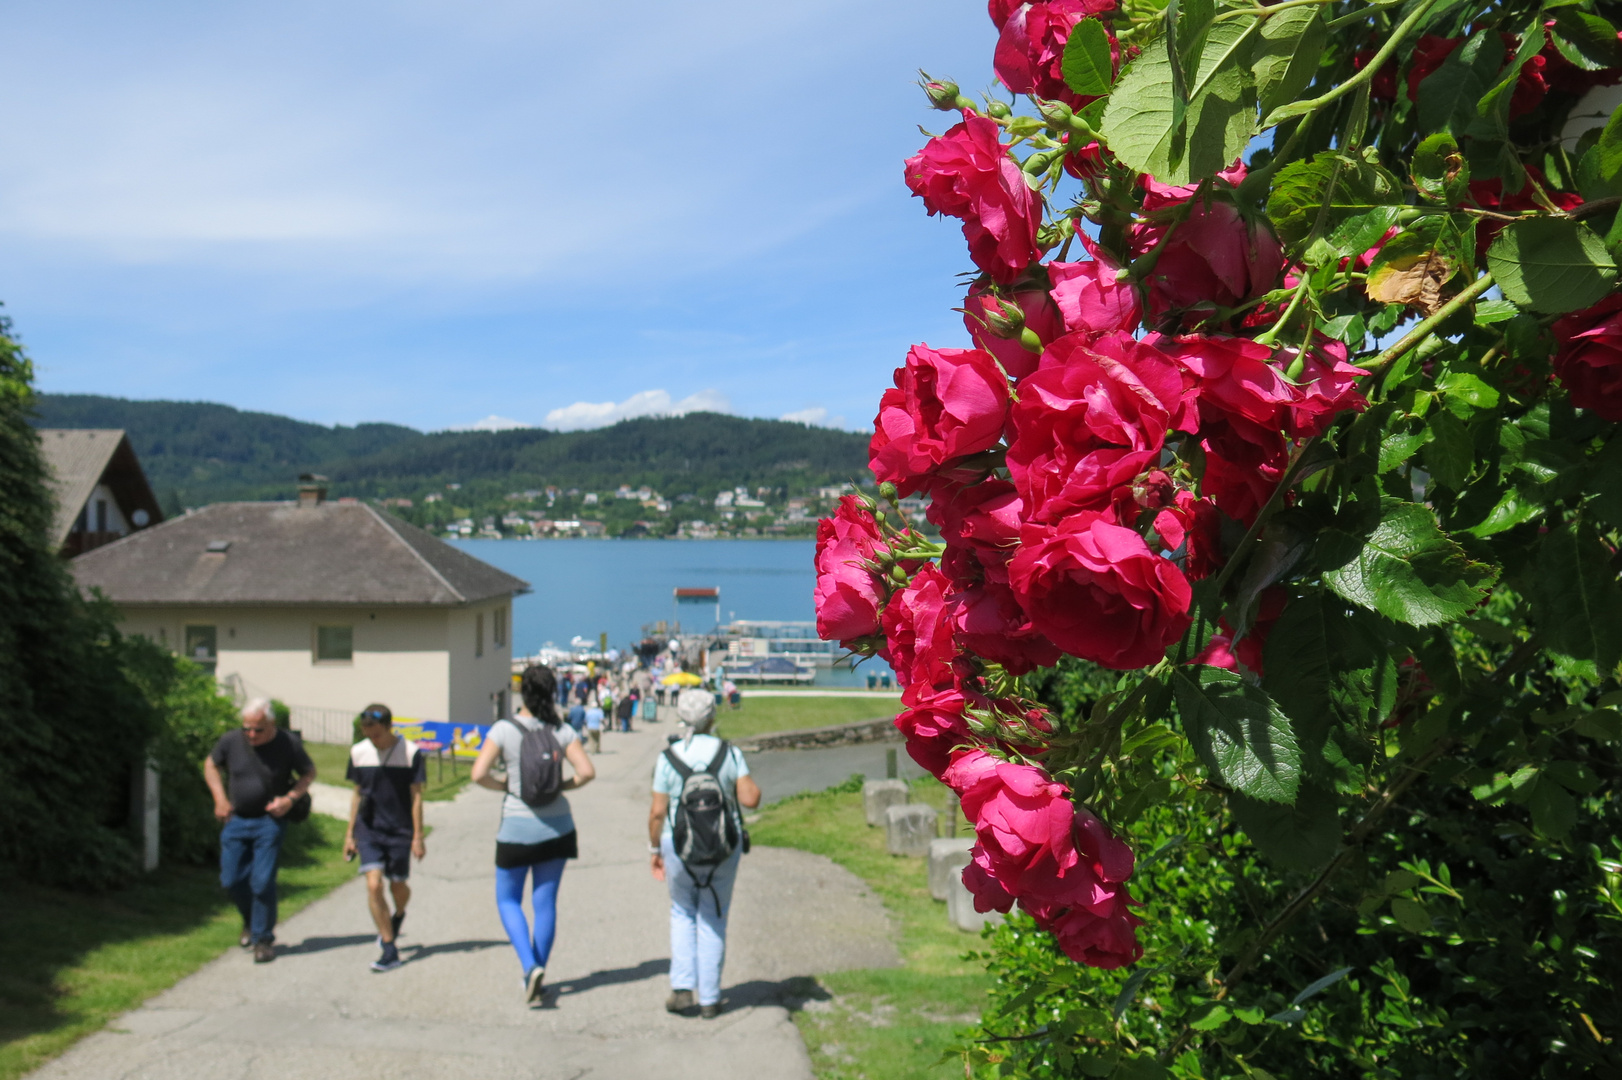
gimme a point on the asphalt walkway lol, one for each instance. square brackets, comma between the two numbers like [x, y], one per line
[456, 1010]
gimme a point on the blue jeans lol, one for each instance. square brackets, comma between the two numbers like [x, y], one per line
[249, 849]
[698, 923]
[533, 949]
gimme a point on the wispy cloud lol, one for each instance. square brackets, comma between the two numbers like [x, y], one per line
[491, 423]
[588, 414]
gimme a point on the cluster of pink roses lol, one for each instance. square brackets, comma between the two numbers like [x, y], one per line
[1069, 525]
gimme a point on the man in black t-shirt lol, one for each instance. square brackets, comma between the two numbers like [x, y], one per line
[258, 762]
[385, 821]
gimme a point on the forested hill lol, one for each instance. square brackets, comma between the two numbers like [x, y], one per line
[196, 453]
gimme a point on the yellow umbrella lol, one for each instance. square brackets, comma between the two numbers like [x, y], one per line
[681, 678]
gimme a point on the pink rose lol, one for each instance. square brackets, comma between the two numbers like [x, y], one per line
[980, 524]
[1325, 388]
[968, 173]
[1240, 490]
[848, 595]
[1589, 362]
[985, 313]
[1103, 935]
[1091, 297]
[934, 726]
[1213, 258]
[1195, 525]
[1244, 398]
[1096, 591]
[989, 895]
[1030, 46]
[918, 631]
[991, 625]
[947, 403]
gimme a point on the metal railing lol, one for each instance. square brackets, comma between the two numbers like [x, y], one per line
[336, 726]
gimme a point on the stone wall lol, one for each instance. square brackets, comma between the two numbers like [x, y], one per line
[862, 731]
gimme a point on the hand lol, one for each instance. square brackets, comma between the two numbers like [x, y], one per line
[222, 809]
[278, 806]
[419, 847]
[658, 867]
[350, 850]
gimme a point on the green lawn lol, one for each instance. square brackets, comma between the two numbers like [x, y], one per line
[330, 762]
[762, 715]
[74, 961]
[884, 1023]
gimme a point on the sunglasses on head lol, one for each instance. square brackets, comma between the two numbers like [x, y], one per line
[375, 717]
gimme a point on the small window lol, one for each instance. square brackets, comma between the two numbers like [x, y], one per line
[202, 646]
[101, 515]
[498, 630]
[478, 634]
[334, 644]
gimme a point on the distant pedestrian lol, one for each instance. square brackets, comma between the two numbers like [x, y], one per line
[565, 685]
[385, 822]
[622, 712]
[730, 689]
[577, 717]
[594, 728]
[695, 829]
[259, 761]
[537, 833]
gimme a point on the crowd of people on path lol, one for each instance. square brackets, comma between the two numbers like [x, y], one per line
[260, 777]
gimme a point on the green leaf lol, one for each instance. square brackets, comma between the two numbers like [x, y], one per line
[1408, 570]
[1494, 311]
[1301, 837]
[1129, 991]
[1464, 393]
[1411, 915]
[1331, 188]
[1554, 811]
[1412, 266]
[1574, 776]
[1239, 733]
[1586, 40]
[1448, 96]
[1297, 658]
[1531, 43]
[1607, 152]
[1140, 122]
[1515, 508]
[1551, 265]
[1317, 987]
[1087, 67]
[1210, 1016]
[1397, 448]
[1440, 172]
[1604, 725]
[1287, 55]
[1576, 599]
[1141, 1067]
[1451, 453]
[1250, 1015]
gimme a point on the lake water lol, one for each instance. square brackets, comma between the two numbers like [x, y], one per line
[586, 587]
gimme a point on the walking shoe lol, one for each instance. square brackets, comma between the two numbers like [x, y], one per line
[679, 1001]
[246, 939]
[534, 992]
[389, 960]
[395, 920]
[264, 952]
[709, 1012]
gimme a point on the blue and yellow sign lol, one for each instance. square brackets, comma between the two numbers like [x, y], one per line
[460, 740]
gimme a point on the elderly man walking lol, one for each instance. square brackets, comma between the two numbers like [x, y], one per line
[695, 829]
[258, 762]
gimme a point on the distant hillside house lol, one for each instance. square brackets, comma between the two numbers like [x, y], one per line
[326, 606]
[101, 493]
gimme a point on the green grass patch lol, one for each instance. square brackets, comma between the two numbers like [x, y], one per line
[764, 715]
[73, 961]
[883, 1023]
[332, 761]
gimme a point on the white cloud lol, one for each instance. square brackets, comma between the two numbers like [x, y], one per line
[814, 415]
[589, 414]
[491, 423]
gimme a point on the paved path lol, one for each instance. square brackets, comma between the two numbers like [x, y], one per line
[456, 1010]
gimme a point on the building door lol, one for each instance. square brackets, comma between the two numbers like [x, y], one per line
[202, 646]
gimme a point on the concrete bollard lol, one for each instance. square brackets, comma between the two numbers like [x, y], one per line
[879, 795]
[947, 858]
[910, 828]
[960, 907]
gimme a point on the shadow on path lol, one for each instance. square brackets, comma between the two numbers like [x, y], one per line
[791, 993]
[422, 952]
[647, 969]
[322, 944]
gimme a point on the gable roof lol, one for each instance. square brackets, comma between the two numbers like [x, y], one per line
[77, 459]
[256, 553]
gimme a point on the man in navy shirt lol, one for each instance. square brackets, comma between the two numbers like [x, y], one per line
[385, 821]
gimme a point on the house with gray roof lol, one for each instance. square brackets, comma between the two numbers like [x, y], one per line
[101, 492]
[325, 606]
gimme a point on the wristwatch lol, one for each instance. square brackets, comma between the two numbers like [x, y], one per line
[653, 849]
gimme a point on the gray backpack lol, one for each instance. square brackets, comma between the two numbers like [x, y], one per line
[705, 832]
[540, 765]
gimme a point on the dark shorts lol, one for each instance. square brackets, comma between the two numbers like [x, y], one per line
[512, 856]
[390, 854]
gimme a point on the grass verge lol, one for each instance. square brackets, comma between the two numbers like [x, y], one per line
[73, 961]
[331, 762]
[761, 716]
[883, 1023]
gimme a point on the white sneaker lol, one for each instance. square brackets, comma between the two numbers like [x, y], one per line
[534, 992]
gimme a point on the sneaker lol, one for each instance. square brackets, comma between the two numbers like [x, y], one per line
[679, 1001]
[389, 960]
[246, 939]
[709, 1012]
[395, 920]
[534, 991]
[264, 952]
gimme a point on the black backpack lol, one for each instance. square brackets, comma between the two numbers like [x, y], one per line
[540, 765]
[705, 832]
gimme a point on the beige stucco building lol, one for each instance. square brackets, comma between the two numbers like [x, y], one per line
[325, 606]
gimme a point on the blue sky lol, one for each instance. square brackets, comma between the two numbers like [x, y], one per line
[430, 213]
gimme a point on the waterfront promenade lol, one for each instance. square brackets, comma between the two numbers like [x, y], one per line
[455, 1009]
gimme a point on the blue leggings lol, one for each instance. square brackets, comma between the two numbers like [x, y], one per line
[533, 951]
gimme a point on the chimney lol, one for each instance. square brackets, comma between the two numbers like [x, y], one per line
[312, 489]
